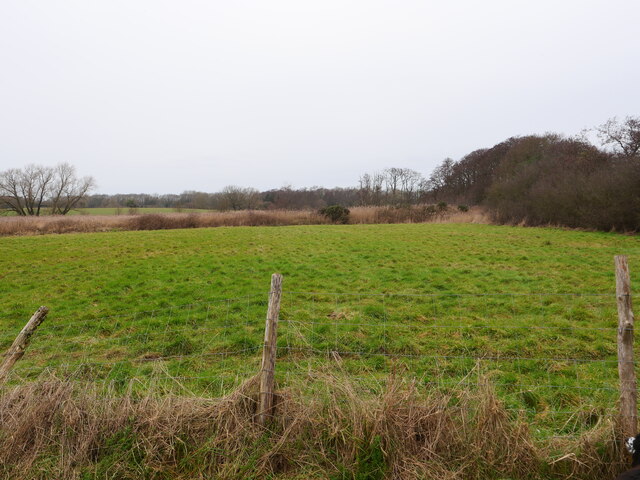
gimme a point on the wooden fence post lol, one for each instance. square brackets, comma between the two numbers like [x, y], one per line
[626, 370]
[20, 344]
[267, 374]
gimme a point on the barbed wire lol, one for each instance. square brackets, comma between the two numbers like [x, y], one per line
[451, 294]
[143, 359]
[303, 315]
[459, 357]
[426, 326]
[155, 311]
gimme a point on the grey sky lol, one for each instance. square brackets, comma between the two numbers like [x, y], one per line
[157, 96]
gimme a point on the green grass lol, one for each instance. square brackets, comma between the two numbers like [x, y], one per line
[119, 301]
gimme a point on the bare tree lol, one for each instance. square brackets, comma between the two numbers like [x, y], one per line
[238, 198]
[68, 189]
[11, 191]
[401, 185]
[377, 181]
[410, 182]
[623, 137]
[253, 198]
[439, 177]
[365, 190]
[27, 191]
[392, 181]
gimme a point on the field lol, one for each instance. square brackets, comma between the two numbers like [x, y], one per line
[449, 306]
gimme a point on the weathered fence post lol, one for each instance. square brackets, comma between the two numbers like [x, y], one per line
[20, 344]
[267, 374]
[626, 370]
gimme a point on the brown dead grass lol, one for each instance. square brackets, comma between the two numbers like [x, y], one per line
[58, 429]
[418, 214]
[161, 221]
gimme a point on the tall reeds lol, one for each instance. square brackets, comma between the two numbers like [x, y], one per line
[161, 221]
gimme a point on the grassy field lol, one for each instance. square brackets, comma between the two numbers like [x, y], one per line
[531, 309]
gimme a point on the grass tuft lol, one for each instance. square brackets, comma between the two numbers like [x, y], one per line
[58, 429]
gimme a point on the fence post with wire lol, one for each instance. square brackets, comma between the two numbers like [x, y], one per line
[626, 366]
[267, 371]
[440, 340]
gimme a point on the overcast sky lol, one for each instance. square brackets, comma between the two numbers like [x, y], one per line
[165, 96]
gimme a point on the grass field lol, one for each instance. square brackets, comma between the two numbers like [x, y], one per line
[532, 309]
[185, 277]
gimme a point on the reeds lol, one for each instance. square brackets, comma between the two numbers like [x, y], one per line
[58, 429]
[161, 221]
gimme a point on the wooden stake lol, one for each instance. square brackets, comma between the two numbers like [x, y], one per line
[626, 371]
[20, 344]
[267, 374]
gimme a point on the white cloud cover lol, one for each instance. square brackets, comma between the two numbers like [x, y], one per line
[158, 96]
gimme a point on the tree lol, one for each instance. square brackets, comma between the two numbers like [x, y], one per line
[28, 191]
[410, 183]
[623, 137]
[438, 180]
[238, 198]
[392, 186]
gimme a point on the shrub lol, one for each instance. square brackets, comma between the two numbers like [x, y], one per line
[463, 208]
[150, 221]
[336, 213]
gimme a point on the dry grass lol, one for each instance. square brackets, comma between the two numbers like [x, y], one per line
[161, 221]
[58, 429]
[377, 215]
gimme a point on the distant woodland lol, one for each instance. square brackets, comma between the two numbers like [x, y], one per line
[533, 180]
[545, 179]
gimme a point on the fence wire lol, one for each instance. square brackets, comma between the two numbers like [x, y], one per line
[550, 356]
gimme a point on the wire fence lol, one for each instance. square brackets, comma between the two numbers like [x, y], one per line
[549, 356]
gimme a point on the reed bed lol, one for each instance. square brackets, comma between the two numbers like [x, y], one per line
[15, 226]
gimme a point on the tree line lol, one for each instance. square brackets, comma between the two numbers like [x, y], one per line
[551, 179]
[233, 198]
[534, 179]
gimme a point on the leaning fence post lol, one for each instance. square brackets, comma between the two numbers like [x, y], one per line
[20, 344]
[626, 370]
[267, 374]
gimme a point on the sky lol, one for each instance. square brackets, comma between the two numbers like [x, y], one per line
[161, 96]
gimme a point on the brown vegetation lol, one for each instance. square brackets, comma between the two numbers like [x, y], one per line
[60, 429]
[551, 180]
[161, 221]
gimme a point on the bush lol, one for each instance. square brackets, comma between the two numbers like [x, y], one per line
[158, 221]
[336, 213]
[463, 208]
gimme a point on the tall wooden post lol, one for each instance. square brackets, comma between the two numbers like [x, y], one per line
[626, 370]
[20, 344]
[267, 374]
